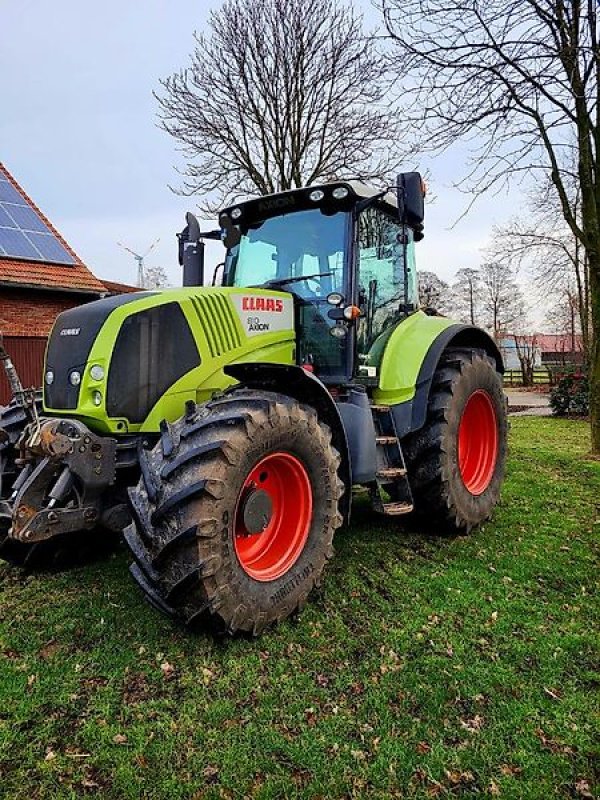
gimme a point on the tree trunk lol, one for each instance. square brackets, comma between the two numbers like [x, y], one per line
[594, 272]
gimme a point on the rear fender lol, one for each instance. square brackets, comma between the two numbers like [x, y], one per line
[410, 416]
[305, 387]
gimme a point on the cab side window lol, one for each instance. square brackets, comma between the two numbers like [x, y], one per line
[380, 279]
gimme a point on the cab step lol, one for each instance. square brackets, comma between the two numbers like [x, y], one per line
[395, 509]
[391, 476]
[391, 473]
[387, 440]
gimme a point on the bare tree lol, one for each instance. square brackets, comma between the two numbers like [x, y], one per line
[467, 294]
[542, 242]
[501, 298]
[526, 347]
[564, 319]
[279, 94]
[434, 293]
[155, 278]
[521, 80]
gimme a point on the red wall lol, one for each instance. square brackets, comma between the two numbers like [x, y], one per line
[27, 354]
[31, 313]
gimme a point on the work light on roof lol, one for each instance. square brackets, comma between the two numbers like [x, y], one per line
[316, 195]
[340, 192]
[236, 213]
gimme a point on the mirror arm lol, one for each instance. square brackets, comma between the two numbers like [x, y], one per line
[367, 202]
[216, 235]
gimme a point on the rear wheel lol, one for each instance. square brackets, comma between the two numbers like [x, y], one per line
[235, 512]
[456, 461]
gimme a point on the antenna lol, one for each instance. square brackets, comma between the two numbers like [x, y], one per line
[141, 275]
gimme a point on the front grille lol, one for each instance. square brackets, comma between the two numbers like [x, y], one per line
[218, 323]
[154, 348]
[70, 342]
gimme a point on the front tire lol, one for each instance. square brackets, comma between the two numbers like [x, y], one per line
[235, 513]
[456, 462]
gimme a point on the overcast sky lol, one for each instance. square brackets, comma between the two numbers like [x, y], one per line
[78, 131]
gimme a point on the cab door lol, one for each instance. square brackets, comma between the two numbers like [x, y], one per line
[385, 290]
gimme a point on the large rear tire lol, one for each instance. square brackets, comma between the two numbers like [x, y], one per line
[456, 462]
[235, 512]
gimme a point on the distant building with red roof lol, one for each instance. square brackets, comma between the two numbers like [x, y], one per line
[547, 349]
[40, 276]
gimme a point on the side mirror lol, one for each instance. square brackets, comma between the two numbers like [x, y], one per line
[231, 233]
[193, 227]
[411, 201]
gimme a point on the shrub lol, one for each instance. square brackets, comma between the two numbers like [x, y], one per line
[571, 395]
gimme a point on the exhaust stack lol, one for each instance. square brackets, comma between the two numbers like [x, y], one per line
[191, 252]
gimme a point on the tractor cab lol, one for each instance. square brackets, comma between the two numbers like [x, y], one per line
[345, 252]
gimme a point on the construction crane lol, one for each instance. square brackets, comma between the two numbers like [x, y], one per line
[141, 275]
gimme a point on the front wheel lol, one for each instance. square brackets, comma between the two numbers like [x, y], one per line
[235, 512]
[456, 461]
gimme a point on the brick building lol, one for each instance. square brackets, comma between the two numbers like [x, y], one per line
[40, 276]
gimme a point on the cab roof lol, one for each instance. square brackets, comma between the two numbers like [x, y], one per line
[299, 199]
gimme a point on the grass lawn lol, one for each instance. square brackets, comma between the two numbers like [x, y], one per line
[426, 667]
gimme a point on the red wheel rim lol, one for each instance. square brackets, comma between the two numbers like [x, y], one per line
[269, 554]
[478, 442]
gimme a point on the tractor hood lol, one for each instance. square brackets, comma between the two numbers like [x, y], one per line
[124, 363]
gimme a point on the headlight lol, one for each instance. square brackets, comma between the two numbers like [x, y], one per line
[351, 312]
[97, 372]
[97, 398]
[49, 377]
[316, 195]
[339, 331]
[335, 299]
[75, 378]
[340, 192]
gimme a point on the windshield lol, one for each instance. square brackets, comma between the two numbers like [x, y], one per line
[304, 243]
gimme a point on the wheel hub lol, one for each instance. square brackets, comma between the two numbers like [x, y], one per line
[273, 516]
[257, 509]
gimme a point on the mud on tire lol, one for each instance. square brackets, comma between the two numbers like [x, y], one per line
[439, 483]
[184, 509]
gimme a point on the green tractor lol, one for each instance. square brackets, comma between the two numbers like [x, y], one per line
[222, 428]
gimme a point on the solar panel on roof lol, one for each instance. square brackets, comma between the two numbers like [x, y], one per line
[25, 218]
[23, 233]
[50, 248]
[10, 194]
[5, 220]
[15, 243]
